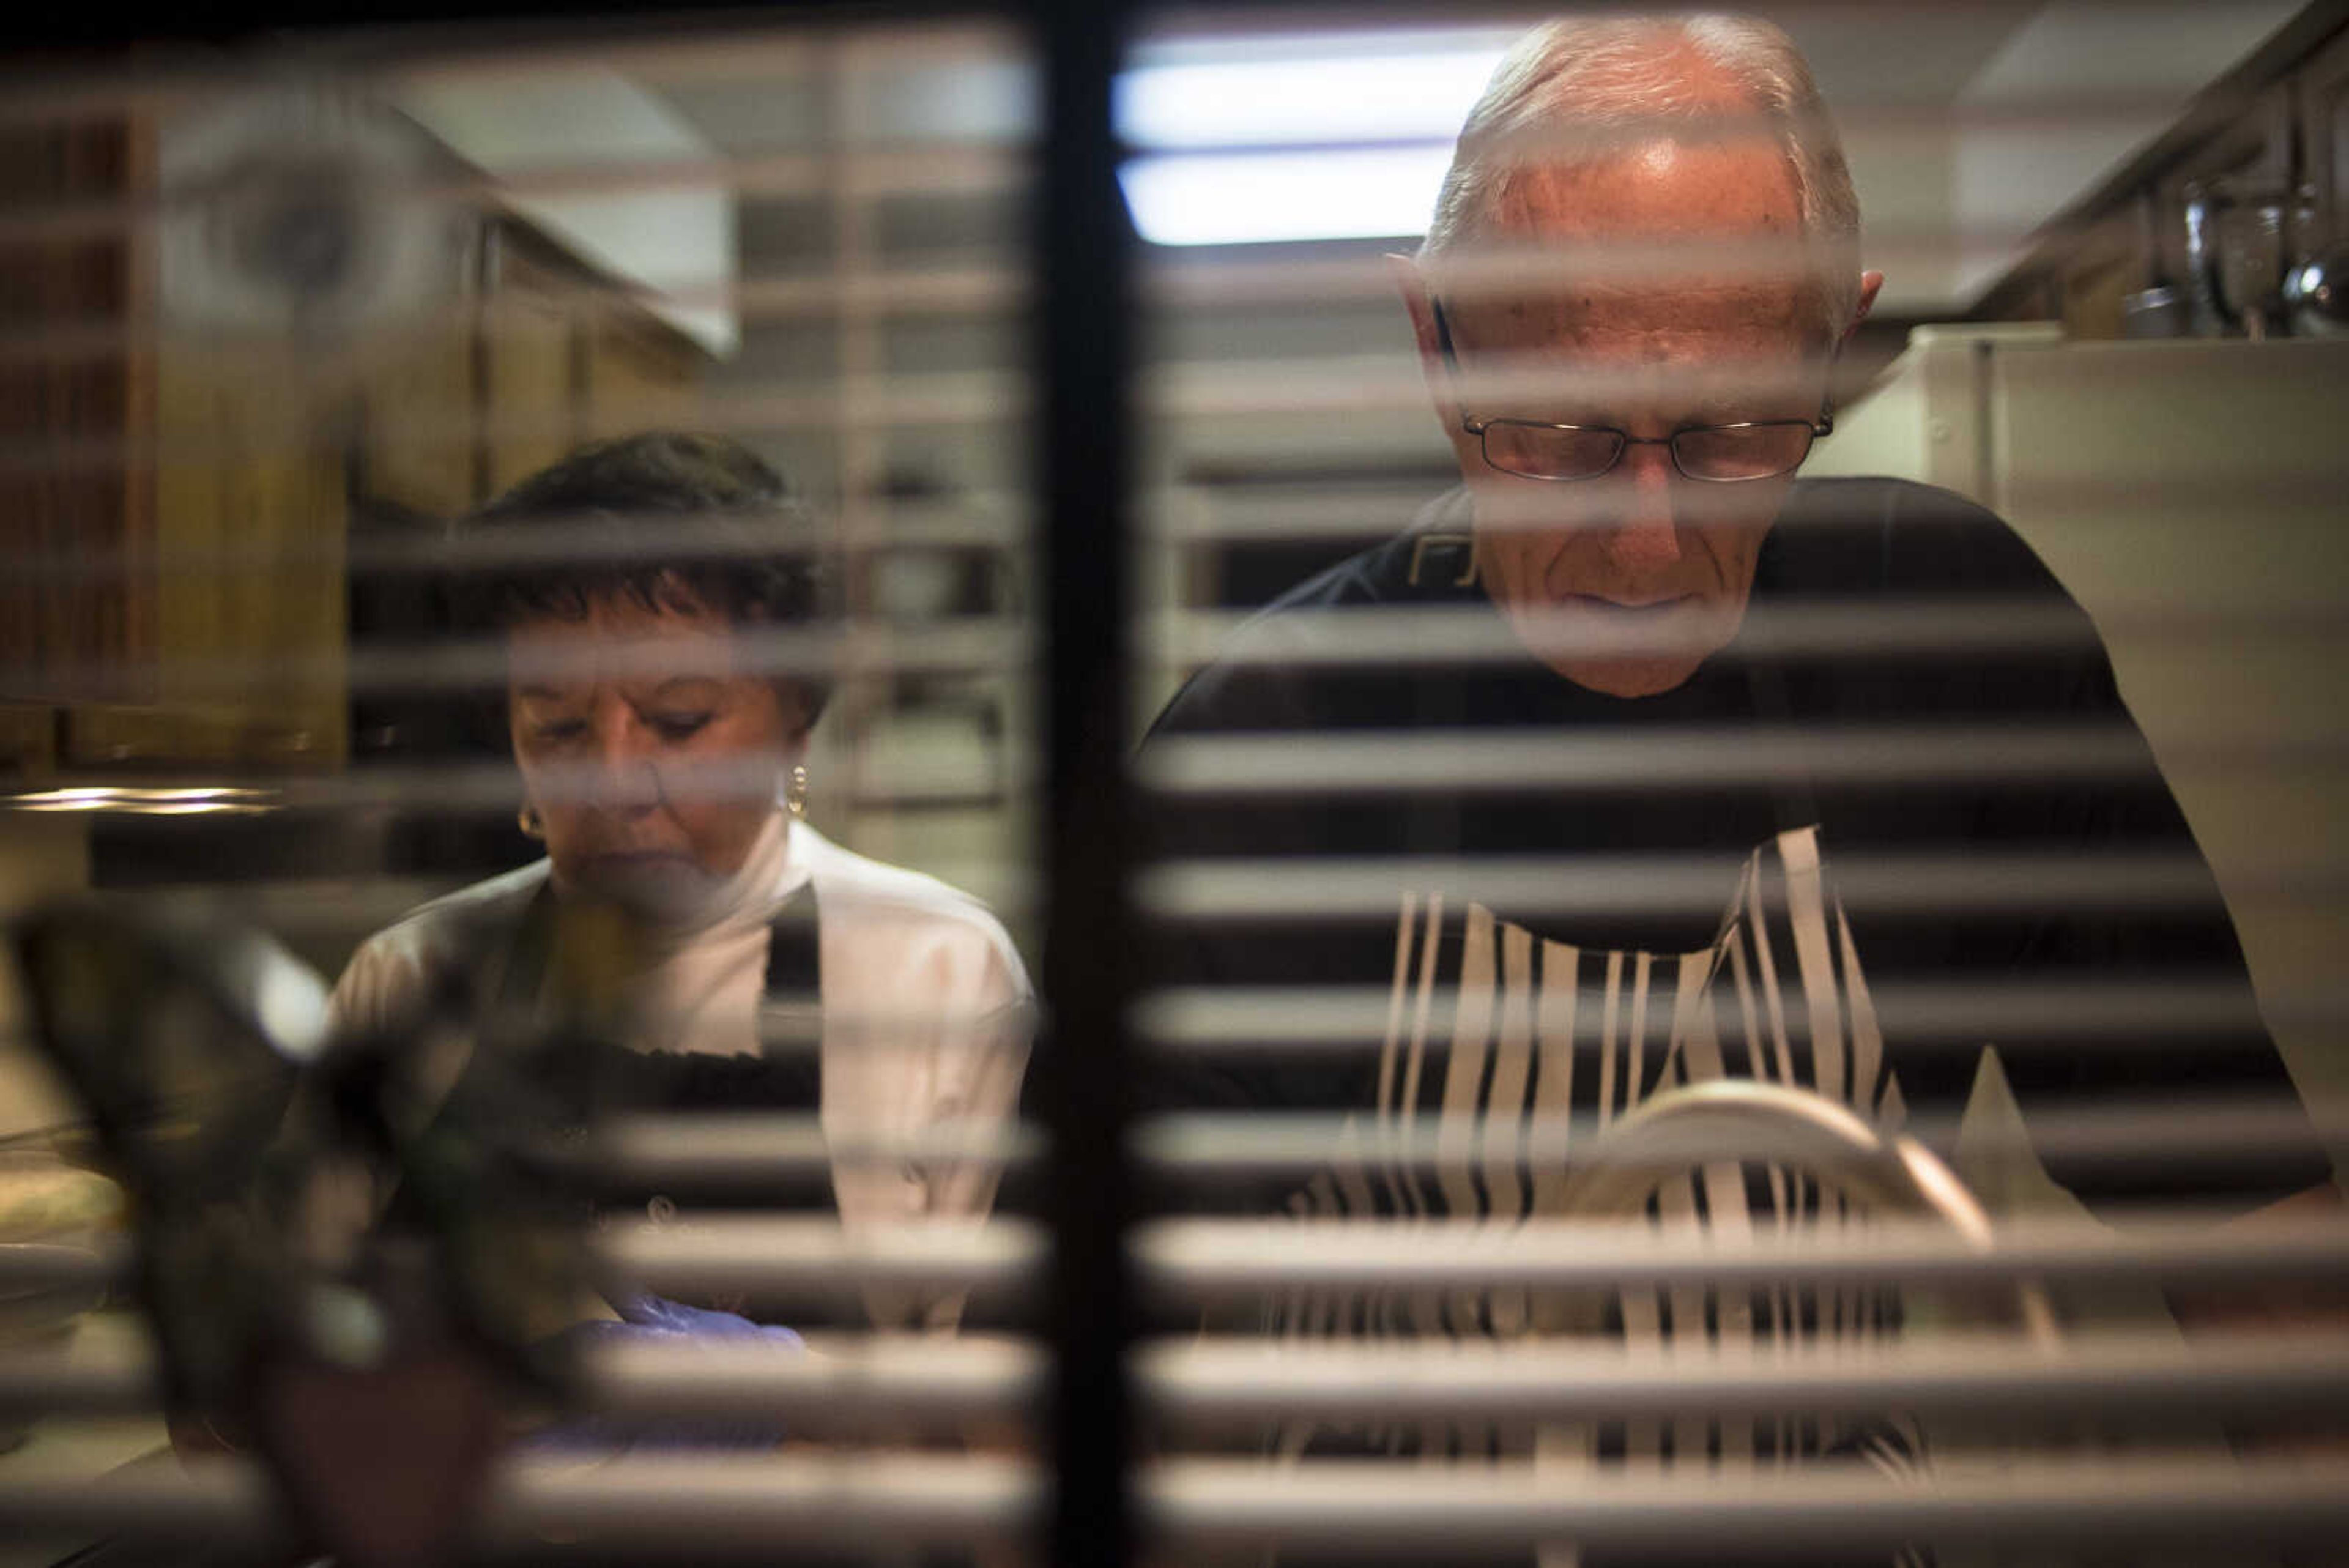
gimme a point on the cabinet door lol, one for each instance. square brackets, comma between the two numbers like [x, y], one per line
[421, 420]
[249, 501]
[640, 375]
[27, 742]
[530, 327]
[76, 606]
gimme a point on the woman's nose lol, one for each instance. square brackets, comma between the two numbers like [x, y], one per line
[625, 777]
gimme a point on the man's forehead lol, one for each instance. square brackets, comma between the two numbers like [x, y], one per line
[1662, 184]
[1691, 378]
[1598, 344]
[1758, 325]
[1715, 215]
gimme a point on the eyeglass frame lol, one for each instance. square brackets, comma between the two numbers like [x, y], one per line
[1476, 425]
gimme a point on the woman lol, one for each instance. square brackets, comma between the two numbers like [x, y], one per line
[660, 724]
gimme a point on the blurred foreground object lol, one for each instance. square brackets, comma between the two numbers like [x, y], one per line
[370, 1362]
[305, 213]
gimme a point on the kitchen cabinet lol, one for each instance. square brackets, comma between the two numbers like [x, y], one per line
[638, 373]
[77, 612]
[417, 435]
[2278, 142]
[245, 507]
[532, 329]
[2321, 108]
[184, 509]
[29, 741]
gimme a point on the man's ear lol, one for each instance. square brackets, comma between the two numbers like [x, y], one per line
[1420, 300]
[1870, 283]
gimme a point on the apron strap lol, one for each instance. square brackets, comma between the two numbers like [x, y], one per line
[791, 1004]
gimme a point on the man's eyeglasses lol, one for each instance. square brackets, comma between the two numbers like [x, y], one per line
[1717, 454]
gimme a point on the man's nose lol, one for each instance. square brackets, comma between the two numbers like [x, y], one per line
[1646, 535]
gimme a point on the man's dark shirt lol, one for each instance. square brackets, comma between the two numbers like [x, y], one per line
[2040, 891]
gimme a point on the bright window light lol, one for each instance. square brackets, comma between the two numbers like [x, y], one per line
[1407, 101]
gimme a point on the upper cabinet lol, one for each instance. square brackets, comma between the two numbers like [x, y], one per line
[2320, 117]
[206, 491]
[535, 324]
[2253, 183]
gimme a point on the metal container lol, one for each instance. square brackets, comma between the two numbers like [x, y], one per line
[2163, 312]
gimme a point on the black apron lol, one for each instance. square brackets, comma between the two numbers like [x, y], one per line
[785, 1076]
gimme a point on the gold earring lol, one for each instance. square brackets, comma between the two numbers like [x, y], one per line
[531, 824]
[795, 793]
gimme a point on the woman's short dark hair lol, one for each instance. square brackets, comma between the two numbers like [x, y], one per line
[667, 518]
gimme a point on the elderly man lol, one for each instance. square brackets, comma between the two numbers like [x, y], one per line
[1652, 762]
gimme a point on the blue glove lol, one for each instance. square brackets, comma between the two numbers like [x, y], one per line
[658, 1318]
[649, 1318]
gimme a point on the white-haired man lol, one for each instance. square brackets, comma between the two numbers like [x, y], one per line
[1679, 766]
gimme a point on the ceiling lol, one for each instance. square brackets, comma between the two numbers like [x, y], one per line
[1967, 126]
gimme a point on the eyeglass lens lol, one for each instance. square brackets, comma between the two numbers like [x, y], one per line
[1545, 451]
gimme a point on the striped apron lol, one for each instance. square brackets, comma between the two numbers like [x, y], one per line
[1540, 1033]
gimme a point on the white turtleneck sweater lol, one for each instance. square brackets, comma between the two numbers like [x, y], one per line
[927, 1010]
[698, 970]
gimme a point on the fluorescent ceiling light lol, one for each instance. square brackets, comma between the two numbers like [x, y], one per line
[1203, 198]
[1301, 102]
[1326, 107]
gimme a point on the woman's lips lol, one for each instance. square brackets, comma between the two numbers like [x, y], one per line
[626, 868]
